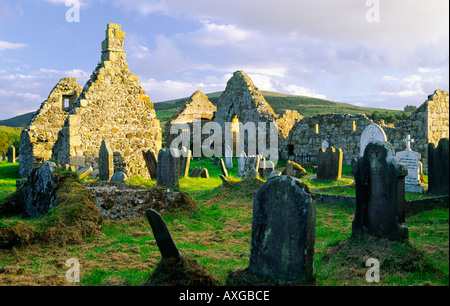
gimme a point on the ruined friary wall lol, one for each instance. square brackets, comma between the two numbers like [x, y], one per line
[429, 123]
[113, 106]
[41, 133]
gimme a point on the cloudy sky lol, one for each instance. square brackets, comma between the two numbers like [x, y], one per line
[378, 53]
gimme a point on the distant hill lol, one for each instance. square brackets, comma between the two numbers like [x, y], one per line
[306, 106]
[18, 121]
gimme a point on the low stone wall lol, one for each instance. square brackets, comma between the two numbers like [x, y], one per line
[117, 201]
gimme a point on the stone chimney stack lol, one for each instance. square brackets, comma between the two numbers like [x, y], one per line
[112, 46]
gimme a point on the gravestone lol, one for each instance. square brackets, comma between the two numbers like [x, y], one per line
[293, 169]
[168, 168]
[329, 164]
[4, 156]
[204, 173]
[11, 154]
[118, 177]
[269, 168]
[273, 174]
[195, 172]
[283, 230]
[228, 158]
[380, 193]
[223, 168]
[164, 240]
[151, 161]
[241, 164]
[371, 132]
[251, 166]
[185, 161]
[84, 172]
[262, 167]
[105, 162]
[411, 160]
[325, 144]
[438, 167]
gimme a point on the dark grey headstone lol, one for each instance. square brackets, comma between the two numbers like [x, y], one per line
[329, 164]
[163, 239]
[262, 167]
[380, 193]
[11, 154]
[118, 177]
[185, 162]
[438, 167]
[4, 156]
[168, 169]
[195, 172]
[283, 230]
[151, 161]
[105, 162]
[204, 173]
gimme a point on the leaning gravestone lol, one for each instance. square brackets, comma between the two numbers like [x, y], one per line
[162, 235]
[105, 162]
[168, 168]
[372, 132]
[185, 161]
[283, 230]
[11, 154]
[84, 172]
[411, 160]
[329, 164]
[151, 160]
[195, 172]
[380, 193]
[241, 164]
[223, 167]
[438, 167]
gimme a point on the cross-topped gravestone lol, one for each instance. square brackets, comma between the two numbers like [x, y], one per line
[283, 230]
[11, 154]
[411, 160]
[105, 162]
[380, 193]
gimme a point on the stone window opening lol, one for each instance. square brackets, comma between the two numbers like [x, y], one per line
[290, 149]
[68, 101]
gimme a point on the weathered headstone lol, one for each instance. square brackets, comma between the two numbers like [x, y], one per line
[438, 167]
[118, 177]
[168, 168]
[228, 158]
[273, 174]
[262, 167]
[223, 168]
[411, 160]
[241, 164]
[380, 193]
[293, 169]
[283, 230]
[204, 173]
[370, 133]
[162, 235]
[195, 172]
[4, 156]
[105, 162]
[11, 154]
[84, 172]
[151, 160]
[185, 161]
[251, 163]
[329, 164]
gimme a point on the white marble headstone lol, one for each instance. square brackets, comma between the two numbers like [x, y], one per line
[325, 144]
[372, 132]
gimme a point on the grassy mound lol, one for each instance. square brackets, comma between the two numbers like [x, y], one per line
[75, 218]
[187, 272]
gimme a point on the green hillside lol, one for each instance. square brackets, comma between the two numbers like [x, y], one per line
[9, 136]
[18, 121]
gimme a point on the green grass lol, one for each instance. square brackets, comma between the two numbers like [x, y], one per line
[9, 174]
[217, 235]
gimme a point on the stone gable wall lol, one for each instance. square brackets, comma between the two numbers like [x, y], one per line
[113, 106]
[41, 133]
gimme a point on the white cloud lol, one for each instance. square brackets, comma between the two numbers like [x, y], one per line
[4, 45]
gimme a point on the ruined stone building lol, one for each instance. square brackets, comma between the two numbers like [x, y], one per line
[197, 107]
[112, 106]
[428, 124]
[41, 133]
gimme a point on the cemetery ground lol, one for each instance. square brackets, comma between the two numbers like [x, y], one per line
[217, 236]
